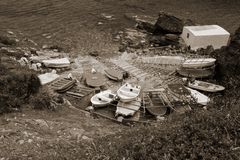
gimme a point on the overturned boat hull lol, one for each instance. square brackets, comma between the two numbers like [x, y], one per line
[114, 74]
[196, 72]
[198, 62]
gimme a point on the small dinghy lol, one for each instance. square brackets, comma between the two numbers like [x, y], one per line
[95, 79]
[103, 98]
[128, 92]
[205, 86]
[128, 108]
[114, 74]
[199, 97]
[198, 62]
[63, 85]
[155, 105]
[196, 72]
[57, 63]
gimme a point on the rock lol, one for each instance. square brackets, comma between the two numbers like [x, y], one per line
[209, 50]
[172, 37]
[167, 23]
[143, 21]
[120, 119]
[45, 46]
[135, 39]
[89, 109]
[159, 118]
[30, 140]
[7, 41]
[122, 48]
[107, 17]
[99, 23]
[94, 53]
[189, 22]
[2, 45]
[76, 133]
[41, 123]
[21, 142]
[10, 32]
[146, 23]
[86, 138]
[162, 41]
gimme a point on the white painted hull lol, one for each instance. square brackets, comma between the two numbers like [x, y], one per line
[205, 86]
[128, 108]
[102, 99]
[57, 63]
[199, 97]
[198, 62]
[128, 92]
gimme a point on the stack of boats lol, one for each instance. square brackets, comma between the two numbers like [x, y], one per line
[197, 67]
[128, 96]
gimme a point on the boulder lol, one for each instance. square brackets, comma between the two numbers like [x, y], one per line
[146, 23]
[167, 23]
[163, 40]
[134, 38]
[143, 22]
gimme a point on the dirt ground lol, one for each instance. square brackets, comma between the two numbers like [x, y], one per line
[74, 25]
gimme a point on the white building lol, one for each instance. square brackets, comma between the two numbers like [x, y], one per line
[203, 36]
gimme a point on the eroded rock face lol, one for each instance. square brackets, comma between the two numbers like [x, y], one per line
[167, 23]
[228, 58]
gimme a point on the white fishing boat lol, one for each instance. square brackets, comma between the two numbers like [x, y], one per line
[103, 98]
[198, 62]
[128, 108]
[57, 63]
[128, 92]
[199, 97]
[205, 86]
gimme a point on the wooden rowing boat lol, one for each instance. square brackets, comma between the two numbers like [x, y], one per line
[114, 74]
[95, 79]
[155, 105]
[63, 85]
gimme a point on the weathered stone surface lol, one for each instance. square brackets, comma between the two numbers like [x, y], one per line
[167, 23]
[134, 38]
[172, 37]
[163, 40]
[143, 22]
